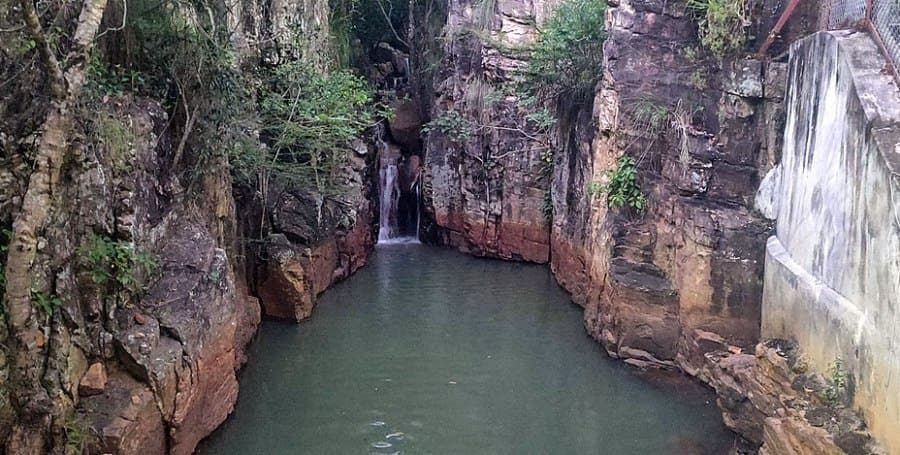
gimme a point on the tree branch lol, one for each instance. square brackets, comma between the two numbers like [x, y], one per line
[48, 57]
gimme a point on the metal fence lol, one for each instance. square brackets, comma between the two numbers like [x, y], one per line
[880, 17]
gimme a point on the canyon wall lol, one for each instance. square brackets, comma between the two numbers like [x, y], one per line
[146, 269]
[832, 278]
[679, 284]
[693, 260]
[484, 189]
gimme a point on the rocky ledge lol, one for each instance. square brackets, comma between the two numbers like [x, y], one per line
[773, 400]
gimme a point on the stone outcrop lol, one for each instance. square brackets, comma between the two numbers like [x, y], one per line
[484, 189]
[150, 369]
[313, 242]
[771, 397]
[693, 259]
[142, 359]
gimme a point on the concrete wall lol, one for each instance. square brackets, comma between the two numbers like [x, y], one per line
[832, 278]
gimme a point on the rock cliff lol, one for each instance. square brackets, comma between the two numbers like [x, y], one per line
[656, 284]
[148, 266]
[484, 187]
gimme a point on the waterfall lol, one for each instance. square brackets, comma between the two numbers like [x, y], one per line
[394, 197]
[387, 186]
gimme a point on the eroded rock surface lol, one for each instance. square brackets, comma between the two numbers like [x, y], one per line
[485, 190]
[669, 286]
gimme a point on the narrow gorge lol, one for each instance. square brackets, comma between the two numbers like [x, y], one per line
[228, 227]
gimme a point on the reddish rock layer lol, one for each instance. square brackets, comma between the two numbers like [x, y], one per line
[296, 275]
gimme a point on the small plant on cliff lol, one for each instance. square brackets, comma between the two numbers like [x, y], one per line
[723, 24]
[45, 303]
[836, 388]
[115, 135]
[116, 261]
[567, 57]
[453, 125]
[75, 431]
[621, 187]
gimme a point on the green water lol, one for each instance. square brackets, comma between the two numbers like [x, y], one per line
[428, 351]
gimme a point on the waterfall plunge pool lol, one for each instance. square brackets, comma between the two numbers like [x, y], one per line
[429, 351]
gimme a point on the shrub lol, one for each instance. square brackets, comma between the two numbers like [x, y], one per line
[452, 124]
[116, 261]
[621, 187]
[723, 24]
[567, 56]
[308, 120]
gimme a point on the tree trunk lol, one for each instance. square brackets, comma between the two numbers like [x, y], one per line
[31, 399]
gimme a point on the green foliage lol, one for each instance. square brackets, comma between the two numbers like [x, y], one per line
[650, 115]
[43, 302]
[547, 205]
[837, 383]
[542, 119]
[369, 19]
[723, 25]
[111, 131]
[453, 125]
[116, 261]
[75, 431]
[103, 80]
[621, 187]
[567, 56]
[698, 79]
[308, 120]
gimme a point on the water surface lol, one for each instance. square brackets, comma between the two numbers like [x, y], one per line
[428, 351]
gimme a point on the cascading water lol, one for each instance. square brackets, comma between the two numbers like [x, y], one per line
[387, 185]
[396, 205]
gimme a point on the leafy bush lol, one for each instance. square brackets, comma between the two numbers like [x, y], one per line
[723, 24]
[453, 125]
[542, 120]
[308, 120]
[116, 261]
[567, 56]
[621, 187]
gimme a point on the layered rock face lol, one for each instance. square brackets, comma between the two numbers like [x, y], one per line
[314, 244]
[679, 284]
[151, 371]
[147, 258]
[700, 136]
[484, 188]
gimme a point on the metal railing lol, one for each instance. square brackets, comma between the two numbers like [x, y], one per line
[880, 17]
[840, 14]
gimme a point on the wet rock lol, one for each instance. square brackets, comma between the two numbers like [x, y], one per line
[406, 126]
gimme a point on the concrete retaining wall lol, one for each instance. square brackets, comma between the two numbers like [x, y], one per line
[832, 279]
